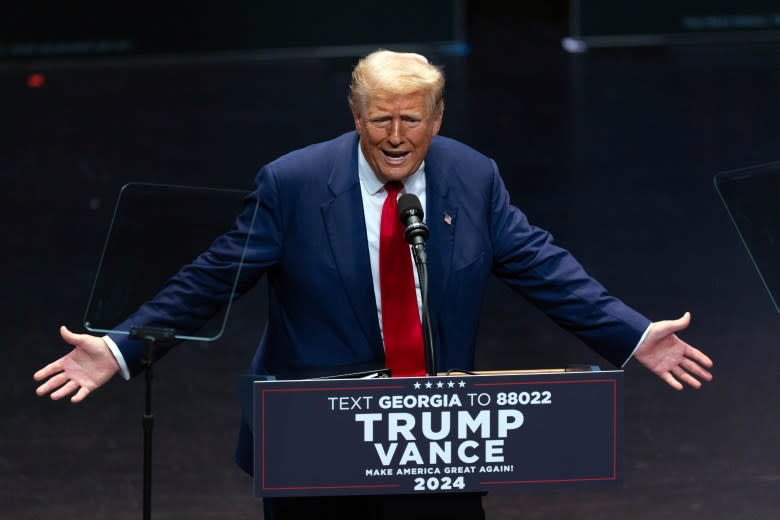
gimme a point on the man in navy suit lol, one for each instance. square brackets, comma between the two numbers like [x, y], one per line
[316, 234]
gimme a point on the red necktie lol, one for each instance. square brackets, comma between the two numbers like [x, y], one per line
[400, 315]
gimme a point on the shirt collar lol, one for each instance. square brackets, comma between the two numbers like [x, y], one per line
[415, 183]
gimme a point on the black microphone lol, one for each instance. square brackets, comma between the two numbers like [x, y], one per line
[411, 214]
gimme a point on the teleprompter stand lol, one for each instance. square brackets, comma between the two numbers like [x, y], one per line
[155, 231]
[150, 336]
[750, 196]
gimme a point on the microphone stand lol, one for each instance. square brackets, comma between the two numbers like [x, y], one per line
[420, 260]
[416, 233]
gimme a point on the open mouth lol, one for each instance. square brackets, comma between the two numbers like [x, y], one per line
[394, 157]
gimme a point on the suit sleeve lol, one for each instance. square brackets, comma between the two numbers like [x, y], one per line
[202, 288]
[525, 258]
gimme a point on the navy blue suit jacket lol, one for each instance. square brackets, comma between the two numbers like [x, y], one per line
[309, 237]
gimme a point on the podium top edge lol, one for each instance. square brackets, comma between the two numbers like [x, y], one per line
[548, 371]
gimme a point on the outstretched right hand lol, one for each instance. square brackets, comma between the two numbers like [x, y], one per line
[85, 368]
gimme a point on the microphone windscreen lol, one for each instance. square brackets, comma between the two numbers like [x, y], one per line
[409, 204]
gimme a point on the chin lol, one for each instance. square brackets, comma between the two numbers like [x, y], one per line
[395, 176]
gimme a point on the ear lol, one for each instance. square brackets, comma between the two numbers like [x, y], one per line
[437, 123]
[358, 120]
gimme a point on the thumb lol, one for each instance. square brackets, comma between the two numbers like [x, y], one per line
[70, 337]
[667, 327]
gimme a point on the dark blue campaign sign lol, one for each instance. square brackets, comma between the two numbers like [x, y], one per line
[437, 434]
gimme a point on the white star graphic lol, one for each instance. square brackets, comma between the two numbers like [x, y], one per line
[428, 384]
[439, 385]
[451, 384]
[462, 384]
[416, 385]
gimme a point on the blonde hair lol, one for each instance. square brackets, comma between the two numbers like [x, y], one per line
[386, 72]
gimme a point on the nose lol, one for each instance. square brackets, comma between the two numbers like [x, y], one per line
[395, 132]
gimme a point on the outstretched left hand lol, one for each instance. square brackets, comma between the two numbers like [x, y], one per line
[672, 359]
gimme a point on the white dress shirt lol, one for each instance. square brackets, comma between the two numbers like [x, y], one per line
[373, 192]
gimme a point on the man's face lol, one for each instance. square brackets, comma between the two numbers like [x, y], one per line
[395, 133]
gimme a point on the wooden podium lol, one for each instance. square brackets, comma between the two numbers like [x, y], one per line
[492, 431]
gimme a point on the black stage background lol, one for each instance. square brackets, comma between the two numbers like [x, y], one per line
[613, 150]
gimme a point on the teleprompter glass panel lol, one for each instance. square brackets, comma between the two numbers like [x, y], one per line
[752, 198]
[156, 230]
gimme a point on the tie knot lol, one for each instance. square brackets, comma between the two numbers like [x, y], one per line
[393, 187]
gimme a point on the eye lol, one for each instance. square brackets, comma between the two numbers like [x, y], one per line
[380, 122]
[411, 122]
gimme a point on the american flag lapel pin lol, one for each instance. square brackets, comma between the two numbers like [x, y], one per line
[447, 218]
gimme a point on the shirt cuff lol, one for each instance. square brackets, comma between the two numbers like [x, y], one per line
[120, 359]
[637, 346]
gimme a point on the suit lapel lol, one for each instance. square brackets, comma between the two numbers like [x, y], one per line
[346, 229]
[441, 217]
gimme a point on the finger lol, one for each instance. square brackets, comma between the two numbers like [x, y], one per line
[686, 378]
[80, 395]
[48, 371]
[671, 381]
[52, 384]
[69, 388]
[695, 369]
[698, 356]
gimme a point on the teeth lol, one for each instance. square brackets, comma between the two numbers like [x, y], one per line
[395, 157]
